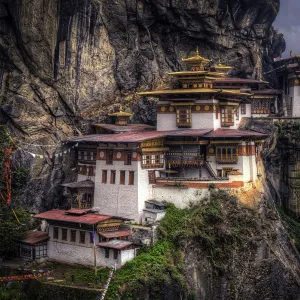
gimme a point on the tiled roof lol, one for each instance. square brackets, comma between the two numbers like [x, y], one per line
[115, 244]
[33, 237]
[127, 128]
[80, 184]
[115, 234]
[234, 133]
[62, 216]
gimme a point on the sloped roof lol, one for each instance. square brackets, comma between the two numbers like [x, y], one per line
[80, 184]
[115, 244]
[33, 237]
[62, 216]
[234, 133]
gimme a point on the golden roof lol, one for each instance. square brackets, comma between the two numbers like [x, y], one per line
[196, 58]
[120, 113]
[195, 73]
[220, 66]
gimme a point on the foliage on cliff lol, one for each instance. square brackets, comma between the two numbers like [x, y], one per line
[217, 227]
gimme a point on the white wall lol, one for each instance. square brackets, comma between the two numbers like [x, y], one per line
[180, 197]
[203, 120]
[166, 122]
[116, 199]
[295, 93]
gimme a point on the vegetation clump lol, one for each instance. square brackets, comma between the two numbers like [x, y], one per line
[218, 227]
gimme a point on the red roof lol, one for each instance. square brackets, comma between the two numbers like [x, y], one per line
[62, 216]
[234, 133]
[33, 237]
[137, 136]
[115, 234]
[128, 137]
[115, 244]
[127, 128]
[238, 80]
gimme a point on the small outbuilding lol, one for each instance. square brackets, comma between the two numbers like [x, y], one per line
[34, 245]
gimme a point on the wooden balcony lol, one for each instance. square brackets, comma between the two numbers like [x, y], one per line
[184, 163]
[227, 159]
[151, 166]
[227, 124]
[184, 124]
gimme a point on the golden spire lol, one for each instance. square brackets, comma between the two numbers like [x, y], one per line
[291, 53]
[197, 52]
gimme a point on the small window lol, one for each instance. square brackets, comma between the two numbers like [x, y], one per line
[106, 253]
[82, 237]
[115, 254]
[243, 109]
[131, 178]
[151, 177]
[122, 177]
[112, 177]
[104, 176]
[55, 233]
[128, 158]
[64, 234]
[219, 173]
[109, 157]
[73, 236]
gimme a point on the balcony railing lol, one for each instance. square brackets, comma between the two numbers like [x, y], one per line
[184, 163]
[227, 159]
[183, 179]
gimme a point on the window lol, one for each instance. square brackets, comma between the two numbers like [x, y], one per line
[227, 116]
[104, 176]
[55, 233]
[115, 254]
[73, 236]
[91, 238]
[183, 117]
[155, 160]
[112, 177]
[131, 178]
[227, 154]
[151, 176]
[217, 113]
[106, 253]
[243, 109]
[109, 157]
[128, 158]
[64, 234]
[40, 251]
[82, 237]
[219, 173]
[122, 177]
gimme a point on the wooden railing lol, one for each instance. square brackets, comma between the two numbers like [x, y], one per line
[227, 159]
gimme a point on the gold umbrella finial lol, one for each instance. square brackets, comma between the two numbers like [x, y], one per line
[197, 51]
[291, 53]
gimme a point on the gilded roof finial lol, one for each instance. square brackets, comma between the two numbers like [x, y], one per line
[197, 51]
[219, 60]
[121, 108]
[291, 53]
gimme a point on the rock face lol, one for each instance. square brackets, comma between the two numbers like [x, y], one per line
[64, 63]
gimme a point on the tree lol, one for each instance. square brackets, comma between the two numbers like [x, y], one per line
[12, 227]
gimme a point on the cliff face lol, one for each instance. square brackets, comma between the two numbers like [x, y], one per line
[66, 62]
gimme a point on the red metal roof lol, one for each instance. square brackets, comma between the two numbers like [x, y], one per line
[188, 132]
[138, 136]
[127, 128]
[115, 234]
[115, 244]
[128, 137]
[234, 133]
[77, 211]
[33, 237]
[62, 216]
[238, 80]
